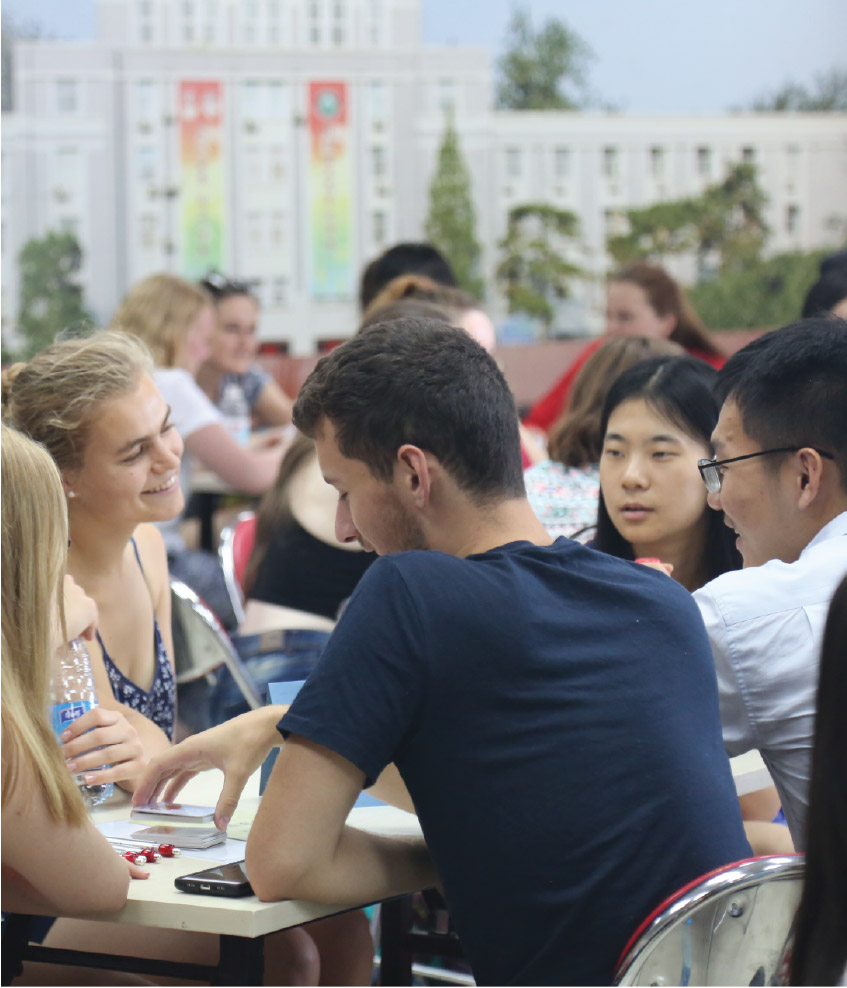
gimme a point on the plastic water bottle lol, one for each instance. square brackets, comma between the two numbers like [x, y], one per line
[236, 412]
[73, 695]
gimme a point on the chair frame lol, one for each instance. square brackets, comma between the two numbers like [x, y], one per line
[226, 555]
[738, 876]
[230, 657]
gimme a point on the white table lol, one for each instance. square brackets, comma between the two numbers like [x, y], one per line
[240, 923]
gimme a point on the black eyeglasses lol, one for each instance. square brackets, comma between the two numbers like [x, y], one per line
[712, 476]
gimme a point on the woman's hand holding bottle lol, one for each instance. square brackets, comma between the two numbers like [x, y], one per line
[104, 728]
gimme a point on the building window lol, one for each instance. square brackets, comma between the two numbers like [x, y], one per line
[657, 162]
[148, 231]
[748, 155]
[514, 163]
[254, 230]
[610, 162]
[792, 219]
[793, 159]
[253, 165]
[378, 101]
[277, 167]
[561, 162]
[379, 227]
[70, 224]
[280, 291]
[445, 96]
[704, 162]
[66, 96]
[147, 164]
[277, 229]
[378, 161]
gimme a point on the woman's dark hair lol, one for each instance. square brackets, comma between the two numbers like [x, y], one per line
[679, 389]
[575, 439]
[820, 945]
[220, 287]
[274, 511]
[829, 289]
[666, 297]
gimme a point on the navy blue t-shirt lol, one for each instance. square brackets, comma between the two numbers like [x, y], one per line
[553, 712]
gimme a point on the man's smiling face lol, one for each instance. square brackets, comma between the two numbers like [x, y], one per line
[755, 496]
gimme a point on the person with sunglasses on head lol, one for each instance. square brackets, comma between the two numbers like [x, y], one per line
[233, 346]
[779, 474]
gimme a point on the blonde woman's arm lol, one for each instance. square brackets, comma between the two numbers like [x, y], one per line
[52, 868]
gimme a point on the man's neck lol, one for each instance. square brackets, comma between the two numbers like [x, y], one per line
[472, 529]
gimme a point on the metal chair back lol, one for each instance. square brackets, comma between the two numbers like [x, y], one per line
[234, 553]
[730, 927]
[201, 645]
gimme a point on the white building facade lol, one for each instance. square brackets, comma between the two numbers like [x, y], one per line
[287, 142]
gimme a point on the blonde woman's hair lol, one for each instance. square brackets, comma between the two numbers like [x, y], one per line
[35, 532]
[576, 439]
[54, 398]
[160, 310]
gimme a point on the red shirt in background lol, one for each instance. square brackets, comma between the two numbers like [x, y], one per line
[547, 409]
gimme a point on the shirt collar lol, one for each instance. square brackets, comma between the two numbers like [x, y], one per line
[838, 526]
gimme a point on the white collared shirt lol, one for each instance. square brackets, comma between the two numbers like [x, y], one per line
[766, 625]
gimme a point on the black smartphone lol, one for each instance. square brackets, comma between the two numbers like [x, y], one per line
[227, 879]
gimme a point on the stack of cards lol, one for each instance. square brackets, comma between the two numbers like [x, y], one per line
[186, 838]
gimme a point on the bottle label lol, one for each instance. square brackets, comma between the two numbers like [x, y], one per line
[67, 713]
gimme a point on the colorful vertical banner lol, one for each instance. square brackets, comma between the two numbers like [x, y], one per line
[202, 200]
[330, 191]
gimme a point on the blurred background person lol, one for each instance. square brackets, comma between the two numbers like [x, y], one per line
[641, 300]
[829, 292]
[233, 346]
[564, 489]
[176, 320]
[404, 258]
[456, 307]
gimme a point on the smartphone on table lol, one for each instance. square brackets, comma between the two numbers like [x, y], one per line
[226, 879]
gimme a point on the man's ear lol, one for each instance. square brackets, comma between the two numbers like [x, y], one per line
[413, 471]
[809, 476]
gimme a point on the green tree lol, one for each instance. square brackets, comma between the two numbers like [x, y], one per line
[544, 69]
[827, 94]
[532, 272]
[766, 293]
[724, 225]
[451, 222]
[50, 299]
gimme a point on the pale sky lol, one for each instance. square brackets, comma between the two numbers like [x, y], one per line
[652, 56]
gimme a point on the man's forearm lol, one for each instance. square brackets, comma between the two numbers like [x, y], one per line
[364, 868]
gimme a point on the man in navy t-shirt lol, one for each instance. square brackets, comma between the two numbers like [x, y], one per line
[552, 711]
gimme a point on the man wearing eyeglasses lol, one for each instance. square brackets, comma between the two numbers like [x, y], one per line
[780, 477]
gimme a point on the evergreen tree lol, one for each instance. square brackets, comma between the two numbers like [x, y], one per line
[542, 69]
[50, 300]
[532, 271]
[450, 225]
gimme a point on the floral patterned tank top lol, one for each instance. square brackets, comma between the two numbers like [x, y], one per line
[159, 702]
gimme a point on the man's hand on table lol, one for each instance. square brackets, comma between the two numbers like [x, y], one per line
[237, 748]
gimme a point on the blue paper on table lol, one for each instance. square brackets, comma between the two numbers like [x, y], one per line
[285, 693]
